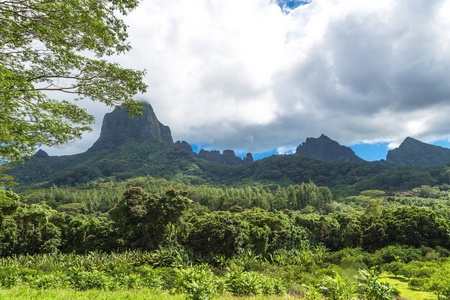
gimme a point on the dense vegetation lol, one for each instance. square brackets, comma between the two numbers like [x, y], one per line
[152, 233]
[285, 224]
[165, 161]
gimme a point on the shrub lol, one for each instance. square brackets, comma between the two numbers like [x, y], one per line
[240, 283]
[82, 280]
[45, 281]
[150, 277]
[9, 276]
[337, 288]
[371, 288]
[198, 282]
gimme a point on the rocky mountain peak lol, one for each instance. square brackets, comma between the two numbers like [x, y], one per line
[184, 145]
[118, 127]
[412, 152]
[228, 157]
[327, 149]
[41, 154]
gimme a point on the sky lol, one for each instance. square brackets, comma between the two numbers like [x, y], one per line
[261, 76]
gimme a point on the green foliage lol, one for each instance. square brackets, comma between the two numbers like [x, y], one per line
[439, 281]
[9, 276]
[218, 233]
[416, 227]
[9, 201]
[242, 283]
[371, 288]
[143, 220]
[28, 74]
[198, 282]
[367, 287]
[337, 288]
[30, 230]
[47, 281]
[150, 277]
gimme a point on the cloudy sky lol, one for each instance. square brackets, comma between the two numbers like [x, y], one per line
[261, 76]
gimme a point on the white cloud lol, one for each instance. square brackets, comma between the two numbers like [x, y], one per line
[220, 72]
[286, 149]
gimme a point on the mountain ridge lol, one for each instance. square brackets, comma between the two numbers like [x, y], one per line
[327, 149]
[413, 152]
[150, 151]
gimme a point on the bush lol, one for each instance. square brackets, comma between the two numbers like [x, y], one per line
[198, 282]
[150, 277]
[337, 288]
[9, 276]
[241, 283]
[46, 281]
[82, 280]
[371, 288]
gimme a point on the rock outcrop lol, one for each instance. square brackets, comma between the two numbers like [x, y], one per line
[184, 145]
[326, 149]
[118, 127]
[228, 157]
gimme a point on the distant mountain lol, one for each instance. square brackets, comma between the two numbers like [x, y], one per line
[135, 147]
[413, 152]
[227, 158]
[126, 147]
[326, 149]
[118, 128]
[41, 154]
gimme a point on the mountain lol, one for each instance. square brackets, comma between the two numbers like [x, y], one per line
[118, 128]
[412, 152]
[41, 154]
[227, 158]
[127, 147]
[326, 149]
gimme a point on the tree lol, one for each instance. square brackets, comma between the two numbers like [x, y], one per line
[42, 44]
[143, 219]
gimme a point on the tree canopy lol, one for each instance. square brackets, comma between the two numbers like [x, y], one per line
[49, 46]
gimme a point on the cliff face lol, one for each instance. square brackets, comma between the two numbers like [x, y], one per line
[228, 157]
[184, 145]
[412, 152]
[118, 127]
[326, 149]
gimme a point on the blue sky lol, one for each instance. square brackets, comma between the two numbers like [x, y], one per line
[261, 76]
[291, 4]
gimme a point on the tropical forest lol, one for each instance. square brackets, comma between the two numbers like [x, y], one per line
[139, 216]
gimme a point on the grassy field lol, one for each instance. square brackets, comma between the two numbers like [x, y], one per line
[405, 292]
[25, 293]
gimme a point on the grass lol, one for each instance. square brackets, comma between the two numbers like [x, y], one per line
[26, 293]
[262, 297]
[406, 292]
